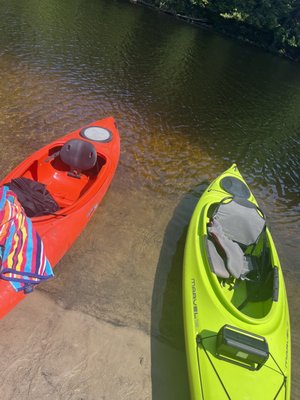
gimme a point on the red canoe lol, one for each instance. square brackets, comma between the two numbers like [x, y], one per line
[76, 184]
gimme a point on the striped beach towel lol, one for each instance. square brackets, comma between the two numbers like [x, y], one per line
[23, 261]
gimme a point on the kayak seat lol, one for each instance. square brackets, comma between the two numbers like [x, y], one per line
[226, 256]
[215, 259]
[58, 178]
[78, 155]
[235, 226]
[241, 221]
[64, 192]
[62, 163]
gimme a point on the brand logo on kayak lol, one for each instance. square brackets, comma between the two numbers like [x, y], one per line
[195, 307]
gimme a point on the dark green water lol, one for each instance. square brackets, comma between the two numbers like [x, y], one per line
[188, 103]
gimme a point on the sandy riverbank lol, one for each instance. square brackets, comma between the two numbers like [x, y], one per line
[112, 330]
[48, 352]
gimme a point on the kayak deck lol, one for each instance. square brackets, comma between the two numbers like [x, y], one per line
[224, 380]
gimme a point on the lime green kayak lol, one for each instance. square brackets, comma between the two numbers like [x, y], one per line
[236, 318]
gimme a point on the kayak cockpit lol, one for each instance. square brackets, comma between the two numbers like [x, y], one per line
[238, 250]
[67, 176]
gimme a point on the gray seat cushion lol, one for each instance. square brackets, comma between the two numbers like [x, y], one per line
[240, 221]
[235, 263]
[233, 252]
[216, 262]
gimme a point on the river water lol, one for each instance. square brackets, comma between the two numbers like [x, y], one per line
[188, 104]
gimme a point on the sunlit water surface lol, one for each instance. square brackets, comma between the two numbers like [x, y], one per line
[188, 103]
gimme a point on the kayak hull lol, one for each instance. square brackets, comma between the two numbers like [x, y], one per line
[208, 306]
[78, 198]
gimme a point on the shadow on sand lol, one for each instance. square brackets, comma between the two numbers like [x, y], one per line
[168, 363]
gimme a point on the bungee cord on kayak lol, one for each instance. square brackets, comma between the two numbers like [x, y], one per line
[200, 341]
